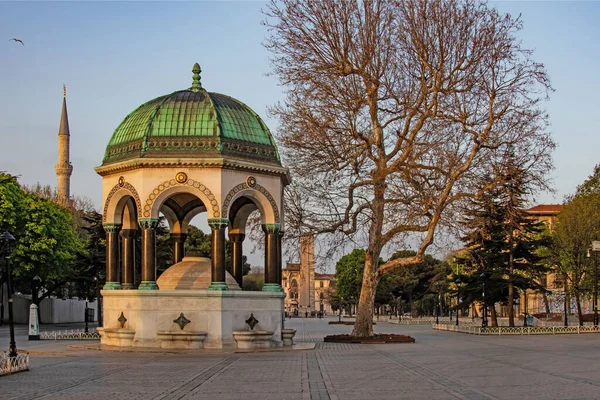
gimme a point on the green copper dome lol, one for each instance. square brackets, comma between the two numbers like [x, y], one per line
[192, 123]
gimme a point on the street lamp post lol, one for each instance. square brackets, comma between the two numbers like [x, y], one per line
[484, 314]
[525, 307]
[566, 305]
[437, 308]
[596, 289]
[595, 248]
[1, 303]
[458, 282]
[7, 237]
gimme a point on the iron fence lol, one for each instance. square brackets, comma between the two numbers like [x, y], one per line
[70, 335]
[9, 365]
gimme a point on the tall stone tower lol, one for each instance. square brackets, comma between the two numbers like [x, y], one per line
[306, 287]
[63, 168]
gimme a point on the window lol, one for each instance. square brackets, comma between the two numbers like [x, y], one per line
[320, 283]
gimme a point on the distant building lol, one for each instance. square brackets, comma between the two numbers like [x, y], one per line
[553, 301]
[535, 302]
[546, 213]
[306, 291]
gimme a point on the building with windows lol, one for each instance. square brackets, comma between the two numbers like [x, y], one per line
[552, 302]
[307, 292]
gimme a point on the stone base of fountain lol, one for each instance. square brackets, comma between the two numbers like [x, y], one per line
[218, 313]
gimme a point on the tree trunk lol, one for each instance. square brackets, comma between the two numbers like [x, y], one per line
[413, 311]
[546, 303]
[363, 326]
[364, 317]
[364, 314]
[493, 315]
[441, 310]
[511, 313]
[578, 301]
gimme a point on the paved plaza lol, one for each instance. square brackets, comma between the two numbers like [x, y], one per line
[440, 365]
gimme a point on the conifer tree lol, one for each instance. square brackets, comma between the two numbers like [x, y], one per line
[503, 244]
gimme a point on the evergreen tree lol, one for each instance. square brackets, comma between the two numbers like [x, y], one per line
[503, 243]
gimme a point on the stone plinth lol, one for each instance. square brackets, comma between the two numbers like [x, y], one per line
[181, 339]
[287, 335]
[253, 339]
[218, 313]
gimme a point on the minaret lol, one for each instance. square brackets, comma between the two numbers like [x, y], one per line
[64, 167]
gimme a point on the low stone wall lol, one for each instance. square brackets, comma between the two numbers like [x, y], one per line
[517, 330]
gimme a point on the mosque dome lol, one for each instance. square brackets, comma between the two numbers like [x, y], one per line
[192, 123]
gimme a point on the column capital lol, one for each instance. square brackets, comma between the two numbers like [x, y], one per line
[111, 227]
[148, 223]
[218, 223]
[271, 228]
[237, 237]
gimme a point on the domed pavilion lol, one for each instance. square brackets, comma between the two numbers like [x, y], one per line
[178, 155]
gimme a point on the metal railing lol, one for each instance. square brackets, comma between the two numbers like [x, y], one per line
[9, 365]
[70, 335]
[431, 320]
[517, 330]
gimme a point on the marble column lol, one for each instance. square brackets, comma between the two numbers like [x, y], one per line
[148, 226]
[127, 252]
[178, 242]
[112, 256]
[271, 274]
[237, 257]
[279, 256]
[217, 272]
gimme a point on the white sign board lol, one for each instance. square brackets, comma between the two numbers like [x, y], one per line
[596, 245]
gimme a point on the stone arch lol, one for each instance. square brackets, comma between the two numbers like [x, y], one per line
[269, 208]
[177, 225]
[167, 188]
[116, 200]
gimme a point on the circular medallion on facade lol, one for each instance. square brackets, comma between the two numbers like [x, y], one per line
[121, 181]
[181, 177]
[251, 181]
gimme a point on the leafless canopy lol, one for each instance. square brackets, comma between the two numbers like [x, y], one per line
[394, 108]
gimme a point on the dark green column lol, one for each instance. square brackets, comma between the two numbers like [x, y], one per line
[178, 242]
[218, 226]
[271, 274]
[127, 252]
[112, 256]
[148, 226]
[279, 256]
[237, 257]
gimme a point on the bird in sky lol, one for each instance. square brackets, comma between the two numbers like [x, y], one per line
[17, 41]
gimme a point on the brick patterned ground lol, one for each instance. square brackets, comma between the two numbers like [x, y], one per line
[441, 365]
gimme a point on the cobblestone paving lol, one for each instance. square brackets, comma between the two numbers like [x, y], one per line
[440, 365]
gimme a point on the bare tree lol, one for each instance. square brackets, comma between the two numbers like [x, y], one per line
[392, 110]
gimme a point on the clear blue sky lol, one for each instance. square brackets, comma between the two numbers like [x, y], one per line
[114, 56]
